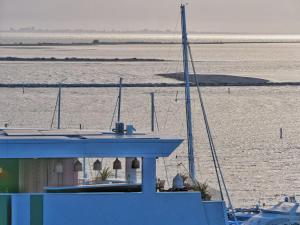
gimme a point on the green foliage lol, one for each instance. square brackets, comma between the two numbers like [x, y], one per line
[197, 186]
[104, 174]
[9, 176]
[203, 188]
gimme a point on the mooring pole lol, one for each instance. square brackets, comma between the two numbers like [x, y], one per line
[120, 100]
[152, 111]
[59, 107]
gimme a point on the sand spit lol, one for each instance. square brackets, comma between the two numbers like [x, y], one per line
[75, 59]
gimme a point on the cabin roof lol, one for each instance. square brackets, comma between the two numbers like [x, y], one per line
[39, 143]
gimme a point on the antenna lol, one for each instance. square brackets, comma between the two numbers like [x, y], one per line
[120, 100]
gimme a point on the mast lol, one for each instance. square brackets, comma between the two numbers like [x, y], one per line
[187, 94]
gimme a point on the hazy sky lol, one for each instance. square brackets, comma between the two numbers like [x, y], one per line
[252, 16]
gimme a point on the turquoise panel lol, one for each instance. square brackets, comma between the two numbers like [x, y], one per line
[36, 210]
[5, 210]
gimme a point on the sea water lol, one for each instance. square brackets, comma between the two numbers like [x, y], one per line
[245, 121]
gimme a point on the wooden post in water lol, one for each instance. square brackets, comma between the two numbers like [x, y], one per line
[280, 133]
[59, 107]
[152, 111]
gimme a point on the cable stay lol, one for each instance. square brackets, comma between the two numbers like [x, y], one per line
[114, 113]
[157, 127]
[218, 170]
[210, 140]
[53, 115]
[58, 108]
[118, 104]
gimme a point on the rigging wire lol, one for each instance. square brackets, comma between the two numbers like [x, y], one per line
[211, 142]
[205, 120]
[164, 160]
[176, 71]
[169, 49]
[53, 115]
[114, 113]
[169, 105]
[118, 104]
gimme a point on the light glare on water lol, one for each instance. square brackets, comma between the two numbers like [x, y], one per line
[257, 164]
[245, 123]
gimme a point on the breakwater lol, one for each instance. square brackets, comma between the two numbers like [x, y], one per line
[75, 59]
[138, 85]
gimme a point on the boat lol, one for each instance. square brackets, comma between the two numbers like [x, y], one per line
[241, 215]
[40, 182]
[286, 212]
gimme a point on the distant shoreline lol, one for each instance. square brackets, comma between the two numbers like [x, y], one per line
[139, 85]
[146, 43]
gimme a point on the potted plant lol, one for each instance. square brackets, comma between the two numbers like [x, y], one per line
[103, 175]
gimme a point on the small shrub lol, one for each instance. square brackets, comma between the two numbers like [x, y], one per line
[203, 188]
[104, 174]
[197, 186]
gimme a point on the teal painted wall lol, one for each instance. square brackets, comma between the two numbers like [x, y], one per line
[5, 210]
[9, 180]
[36, 210]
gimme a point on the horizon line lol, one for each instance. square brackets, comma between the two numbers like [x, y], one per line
[138, 31]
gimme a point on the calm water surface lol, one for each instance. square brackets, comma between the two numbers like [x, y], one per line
[257, 164]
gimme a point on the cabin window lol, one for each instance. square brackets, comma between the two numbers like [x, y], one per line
[67, 175]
